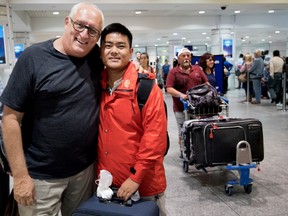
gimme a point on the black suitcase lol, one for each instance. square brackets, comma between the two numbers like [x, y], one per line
[94, 207]
[212, 142]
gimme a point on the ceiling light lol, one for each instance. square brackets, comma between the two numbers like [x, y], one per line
[55, 13]
[167, 42]
[271, 11]
[277, 32]
[270, 42]
[136, 45]
[138, 12]
[236, 12]
[156, 45]
[175, 33]
[263, 40]
[183, 38]
[204, 33]
[201, 12]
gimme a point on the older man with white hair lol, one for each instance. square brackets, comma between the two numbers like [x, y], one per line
[255, 74]
[179, 80]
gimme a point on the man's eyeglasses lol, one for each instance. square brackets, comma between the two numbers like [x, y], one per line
[79, 27]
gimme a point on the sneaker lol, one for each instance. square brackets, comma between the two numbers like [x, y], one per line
[279, 104]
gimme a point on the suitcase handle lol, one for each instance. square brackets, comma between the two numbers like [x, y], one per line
[116, 199]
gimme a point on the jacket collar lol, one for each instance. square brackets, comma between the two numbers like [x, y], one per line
[129, 78]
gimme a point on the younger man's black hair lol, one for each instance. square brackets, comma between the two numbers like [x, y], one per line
[116, 28]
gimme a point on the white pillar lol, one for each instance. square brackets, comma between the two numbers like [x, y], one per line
[217, 36]
[216, 40]
[172, 45]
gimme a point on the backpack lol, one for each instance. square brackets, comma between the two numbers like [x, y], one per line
[144, 88]
[204, 99]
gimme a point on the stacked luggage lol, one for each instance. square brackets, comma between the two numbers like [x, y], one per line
[212, 141]
[211, 138]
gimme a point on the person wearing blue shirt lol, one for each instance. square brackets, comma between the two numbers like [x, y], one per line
[226, 72]
[165, 70]
[206, 61]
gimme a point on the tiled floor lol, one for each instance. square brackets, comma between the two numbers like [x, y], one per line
[199, 194]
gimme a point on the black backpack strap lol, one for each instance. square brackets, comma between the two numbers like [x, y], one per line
[144, 88]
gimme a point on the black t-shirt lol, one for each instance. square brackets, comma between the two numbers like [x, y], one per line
[59, 96]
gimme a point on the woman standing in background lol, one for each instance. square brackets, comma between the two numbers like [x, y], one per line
[206, 61]
[248, 61]
[144, 64]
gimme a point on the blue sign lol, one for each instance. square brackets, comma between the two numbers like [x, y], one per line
[2, 46]
[18, 49]
[227, 47]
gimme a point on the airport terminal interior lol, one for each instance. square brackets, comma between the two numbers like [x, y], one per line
[164, 28]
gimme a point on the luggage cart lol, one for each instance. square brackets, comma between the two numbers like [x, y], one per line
[192, 112]
[243, 165]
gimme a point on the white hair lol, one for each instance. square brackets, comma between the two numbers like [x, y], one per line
[76, 7]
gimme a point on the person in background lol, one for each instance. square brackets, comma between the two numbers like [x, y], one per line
[248, 61]
[179, 80]
[285, 70]
[256, 74]
[226, 73]
[240, 62]
[144, 64]
[206, 62]
[264, 81]
[136, 61]
[159, 78]
[165, 70]
[132, 142]
[51, 106]
[175, 62]
[275, 78]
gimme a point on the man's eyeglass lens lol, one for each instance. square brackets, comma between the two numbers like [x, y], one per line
[79, 27]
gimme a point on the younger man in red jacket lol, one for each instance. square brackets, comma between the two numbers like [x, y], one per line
[132, 143]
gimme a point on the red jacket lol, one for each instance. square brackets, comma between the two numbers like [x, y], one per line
[130, 144]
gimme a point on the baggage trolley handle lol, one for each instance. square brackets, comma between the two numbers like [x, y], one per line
[243, 153]
[243, 165]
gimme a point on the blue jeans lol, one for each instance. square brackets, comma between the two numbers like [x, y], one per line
[257, 89]
[275, 87]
